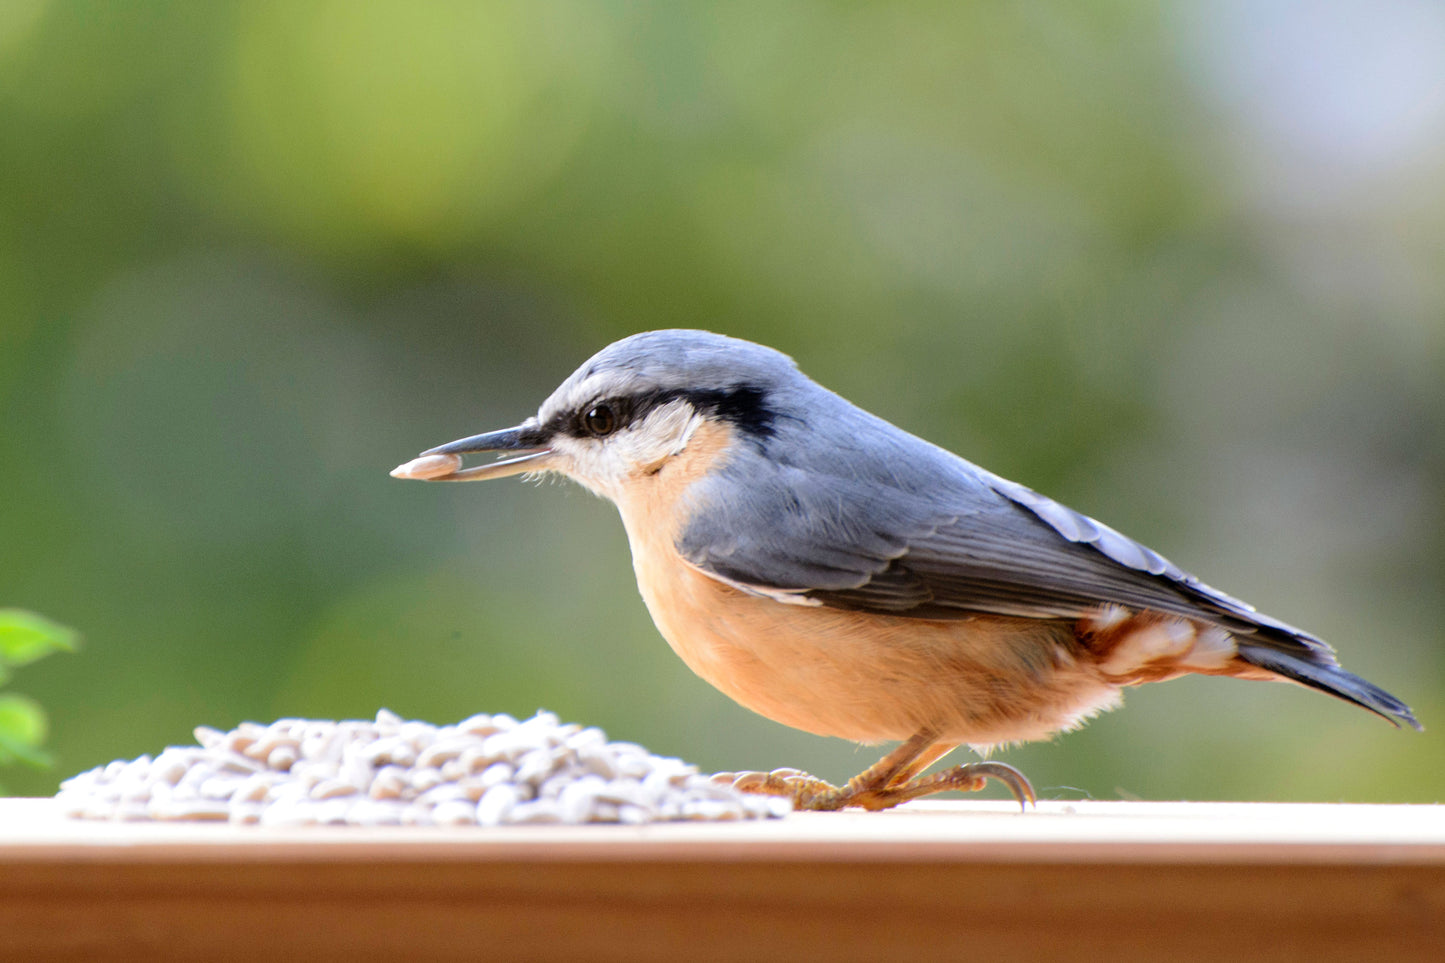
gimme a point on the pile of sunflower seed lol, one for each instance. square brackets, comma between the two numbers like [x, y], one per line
[487, 770]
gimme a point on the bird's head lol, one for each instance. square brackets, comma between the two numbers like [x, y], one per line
[630, 410]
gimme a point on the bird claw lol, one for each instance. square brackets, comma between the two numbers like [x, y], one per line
[970, 777]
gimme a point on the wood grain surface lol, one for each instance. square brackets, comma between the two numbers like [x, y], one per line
[965, 880]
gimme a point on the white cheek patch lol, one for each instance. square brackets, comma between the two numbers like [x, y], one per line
[663, 433]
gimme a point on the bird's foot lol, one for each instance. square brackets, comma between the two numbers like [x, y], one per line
[970, 777]
[872, 790]
[794, 783]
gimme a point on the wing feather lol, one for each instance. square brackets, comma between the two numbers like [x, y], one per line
[971, 543]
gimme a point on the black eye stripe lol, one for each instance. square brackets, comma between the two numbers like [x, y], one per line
[744, 407]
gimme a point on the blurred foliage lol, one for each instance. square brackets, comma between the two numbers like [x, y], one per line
[24, 638]
[1181, 266]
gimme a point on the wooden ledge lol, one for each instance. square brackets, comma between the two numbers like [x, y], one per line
[932, 880]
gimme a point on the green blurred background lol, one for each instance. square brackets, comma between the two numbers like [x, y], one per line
[1180, 266]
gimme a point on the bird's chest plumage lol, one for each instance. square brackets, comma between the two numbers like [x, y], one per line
[859, 676]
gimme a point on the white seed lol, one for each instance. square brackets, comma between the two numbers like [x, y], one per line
[137, 769]
[169, 767]
[631, 766]
[535, 766]
[553, 785]
[424, 778]
[218, 787]
[254, 788]
[589, 738]
[512, 744]
[773, 807]
[239, 740]
[391, 749]
[633, 815]
[262, 748]
[209, 738]
[97, 808]
[332, 812]
[440, 793]
[283, 757]
[416, 815]
[131, 812]
[232, 761]
[418, 734]
[625, 792]
[319, 742]
[289, 813]
[455, 812]
[578, 798]
[539, 811]
[247, 814]
[496, 773]
[596, 759]
[496, 804]
[206, 809]
[712, 809]
[190, 784]
[472, 788]
[427, 467]
[443, 750]
[390, 783]
[478, 725]
[474, 758]
[374, 812]
[332, 788]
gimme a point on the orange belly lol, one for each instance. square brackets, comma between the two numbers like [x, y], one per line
[871, 678]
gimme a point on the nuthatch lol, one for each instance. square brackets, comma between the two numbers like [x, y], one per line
[839, 575]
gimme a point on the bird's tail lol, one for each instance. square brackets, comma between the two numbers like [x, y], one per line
[1318, 670]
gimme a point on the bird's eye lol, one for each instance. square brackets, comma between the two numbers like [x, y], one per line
[600, 420]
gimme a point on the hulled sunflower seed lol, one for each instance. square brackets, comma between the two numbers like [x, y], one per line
[487, 769]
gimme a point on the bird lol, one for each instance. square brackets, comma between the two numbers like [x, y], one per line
[837, 574]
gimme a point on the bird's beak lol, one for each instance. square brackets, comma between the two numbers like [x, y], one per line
[443, 463]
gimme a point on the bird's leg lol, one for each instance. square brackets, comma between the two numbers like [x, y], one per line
[891, 780]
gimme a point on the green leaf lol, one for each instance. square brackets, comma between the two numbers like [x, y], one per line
[25, 637]
[13, 752]
[22, 730]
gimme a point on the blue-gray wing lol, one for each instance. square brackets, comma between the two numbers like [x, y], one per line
[947, 543]
[879, 521]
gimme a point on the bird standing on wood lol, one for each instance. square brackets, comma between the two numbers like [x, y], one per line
[842, 576]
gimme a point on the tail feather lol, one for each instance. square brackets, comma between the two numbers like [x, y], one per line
[1307, 668]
